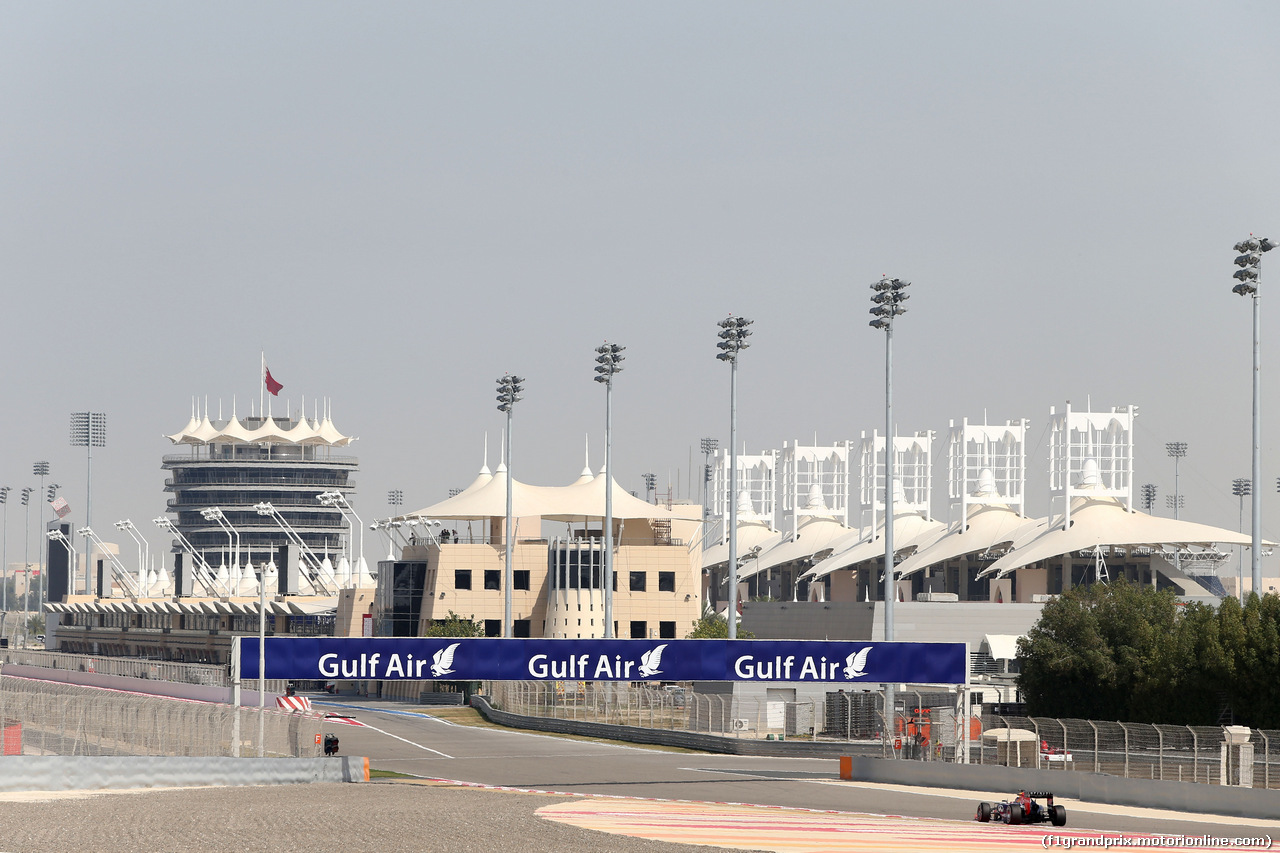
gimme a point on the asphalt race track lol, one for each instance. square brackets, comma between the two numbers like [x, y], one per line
[406, 739]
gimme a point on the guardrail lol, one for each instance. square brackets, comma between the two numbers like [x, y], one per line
[928, 727]
[208, 675]
[48, 718]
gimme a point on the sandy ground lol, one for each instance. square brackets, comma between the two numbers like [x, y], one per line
[318, 818]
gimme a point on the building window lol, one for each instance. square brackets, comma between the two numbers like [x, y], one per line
[493, 578]
[520, 579]
[462, 579]
[667, 630]
[638, 582]
[520, 628]
[492, 627]
[667, 582]
[639, 631]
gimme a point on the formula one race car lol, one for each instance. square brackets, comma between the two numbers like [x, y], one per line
[1023, 809]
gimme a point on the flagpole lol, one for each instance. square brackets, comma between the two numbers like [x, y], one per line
[262, 385]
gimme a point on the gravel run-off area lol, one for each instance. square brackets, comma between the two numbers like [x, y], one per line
[386, 816]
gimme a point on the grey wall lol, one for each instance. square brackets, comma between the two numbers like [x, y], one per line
[67, 773]
[198, 692]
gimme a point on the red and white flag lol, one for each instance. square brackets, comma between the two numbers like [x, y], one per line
[273, 387]
[60, 506]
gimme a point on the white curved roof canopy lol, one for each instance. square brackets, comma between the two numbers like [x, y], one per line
[815, 534]
[554, 503]
[910, 531]
[1105, 521]
[272, 431]
[989, 525]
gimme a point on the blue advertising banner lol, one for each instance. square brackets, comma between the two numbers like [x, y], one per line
[475, 659]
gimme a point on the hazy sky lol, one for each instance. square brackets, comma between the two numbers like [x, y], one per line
[400, 201]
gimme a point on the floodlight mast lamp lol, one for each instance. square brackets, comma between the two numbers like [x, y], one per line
[1177, 450]
[608, 360]
[4, 576]
[88, 430]
[887, 298]
[339, 501]
[734, 332]
[26, 562]
[144, 551]
[1241, 487]
[1148, 496]
[1250, 263]
[509, 388]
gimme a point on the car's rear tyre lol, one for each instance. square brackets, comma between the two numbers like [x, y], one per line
[984, 812]
[1058, 816]
[1015, 814]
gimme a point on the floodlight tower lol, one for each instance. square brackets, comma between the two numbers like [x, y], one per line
[144, 551]
[887, 298]
[733, 340]
[608, 362]
[26, 562]
[1177, 450]
[88, 430]
[1241, 487]
[1250, 263]
[509, 388]
[4, 574]
[650, 486]
[1148, 498]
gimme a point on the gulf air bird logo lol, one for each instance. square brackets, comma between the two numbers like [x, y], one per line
[650, 661]
[442, 661]
[855, 665]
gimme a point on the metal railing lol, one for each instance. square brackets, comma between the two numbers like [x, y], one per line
[47, 718]
[208, 675]
[1134, 750]
[928, 726]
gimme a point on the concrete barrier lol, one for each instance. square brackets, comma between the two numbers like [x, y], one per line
[67, 773]
[1088, 787]
[172, 689]
[986, 779]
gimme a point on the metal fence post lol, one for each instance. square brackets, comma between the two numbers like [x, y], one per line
[1095, 745]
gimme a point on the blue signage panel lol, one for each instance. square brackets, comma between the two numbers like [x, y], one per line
[475, 659]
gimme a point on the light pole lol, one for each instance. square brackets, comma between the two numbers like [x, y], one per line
[4, 576]
[215, 515]
[650, 486]
[339, 501]
[1148, 499]
[144, 552]
[1241, 487]
[26, 563]
[88, 430]
[509, 388]
[733, 340]
[608, 358]
[395, 498]
[887, 298]
[1250, 263]
[41, 470]
[1177, 450]
[709, 446]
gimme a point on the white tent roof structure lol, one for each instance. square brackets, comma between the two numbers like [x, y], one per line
[232, 431]
[1105, 521]
[815, 534]
[910, 531]
[554, 503]
[987, 526]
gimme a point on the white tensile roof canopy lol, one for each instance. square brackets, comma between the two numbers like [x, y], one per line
[488, 499]
[1104, 522]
